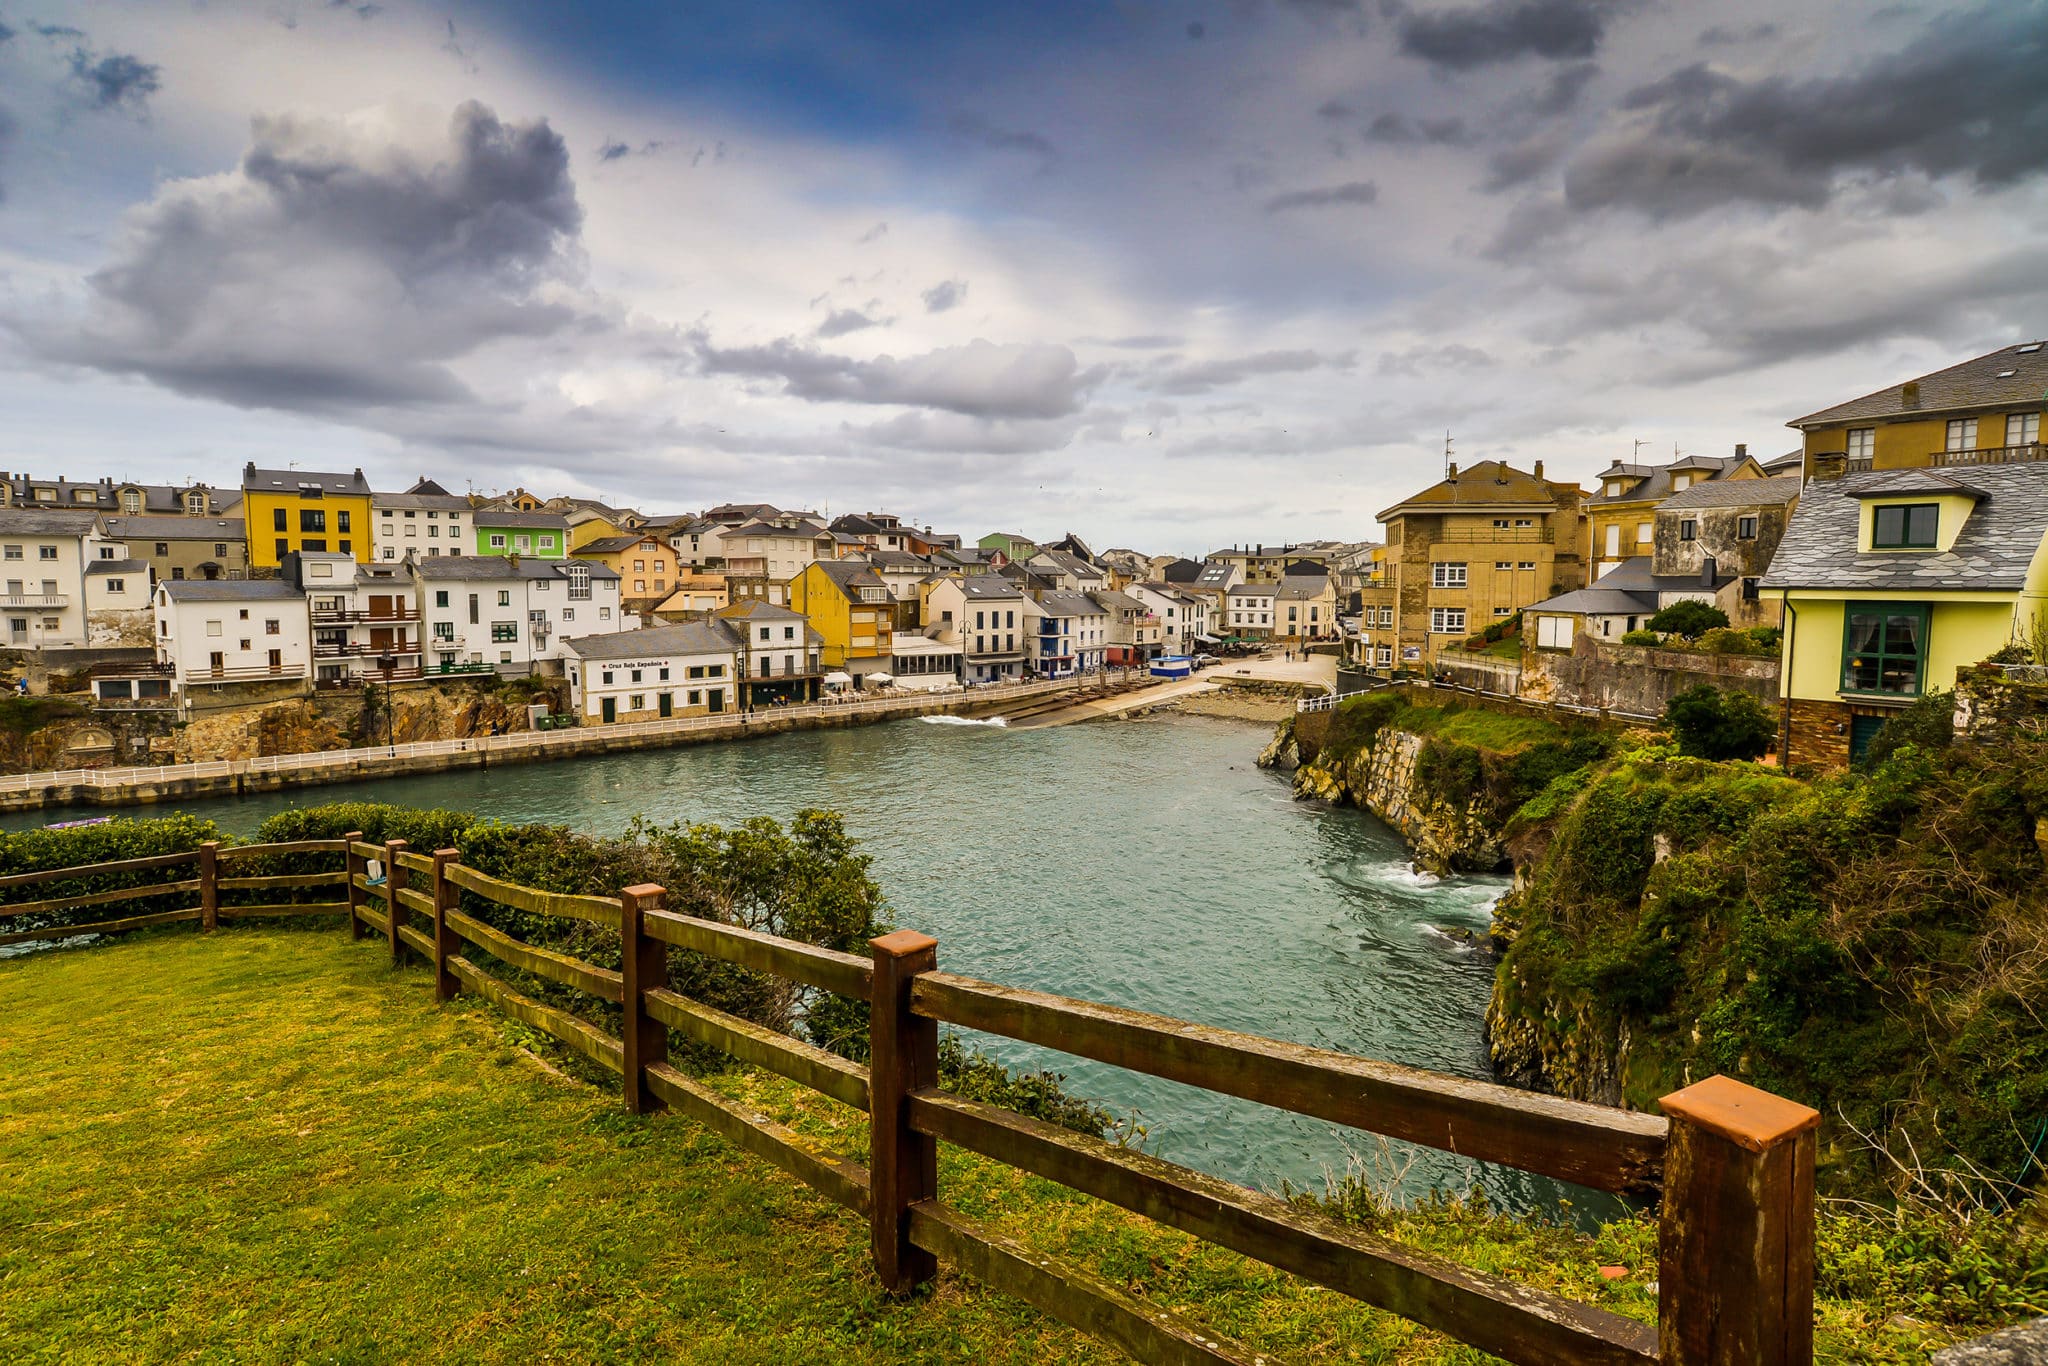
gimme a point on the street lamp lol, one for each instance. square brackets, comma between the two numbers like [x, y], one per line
[387, 663]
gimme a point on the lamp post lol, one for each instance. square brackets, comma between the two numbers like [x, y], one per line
[387, 663]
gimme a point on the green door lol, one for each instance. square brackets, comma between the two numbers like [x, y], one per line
[668, 704]
[610, 710]
[716, 699]
[1862, 730]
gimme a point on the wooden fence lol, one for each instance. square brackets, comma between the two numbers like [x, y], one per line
[1734, 1166]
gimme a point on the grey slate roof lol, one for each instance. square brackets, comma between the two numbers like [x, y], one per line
[292, 481]
[2012, 376]
[473, 567]
[1655, 480]
[231, 590]
[708, 637]
[981, 587]
[413, 498]
[1068, 605]
[490, 518]
[1301, 587]
[35, 521]
[612, 545]
[1633, 575]
[1114, 602]
[1729, 493]
[117, 567]
[1992, 552]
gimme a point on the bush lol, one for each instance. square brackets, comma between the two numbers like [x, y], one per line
[1641, 638]
[1929, 724]
[1712, 724]
[1689, 618]
[33, 851]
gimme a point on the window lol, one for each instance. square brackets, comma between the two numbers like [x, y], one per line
[2022, 429]
[1447, 576]
[547, 543]
[568, 614]
[13, 552]
[497, 542]
[412, 529]
[1962, 434]
[1688, 529]
[504, 597]
[636, 702]
[46, 552]
[635, 676]
[1646, 532]
[1526, 564]
[1553, 633]
[1883, 648]
[1749, 590]
[1386, 616]
[1904, 526]
[504, 631]
[1500, 523]
[1745, 528]
[272, 626]
[607, 676]
[1444, 621]
[444, 630]
[279, 521]
[117, 585]
[312, 519]
[284, 547]
[341, 520]
[1862, 443]
[662, 676]
[604, 614]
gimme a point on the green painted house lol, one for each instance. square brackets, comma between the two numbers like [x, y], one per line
[502, 531]
[1015, 547]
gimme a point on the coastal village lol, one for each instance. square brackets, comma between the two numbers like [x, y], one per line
[1836, 583]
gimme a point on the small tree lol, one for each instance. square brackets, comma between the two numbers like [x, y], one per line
[1689, 618]
[1712, 724]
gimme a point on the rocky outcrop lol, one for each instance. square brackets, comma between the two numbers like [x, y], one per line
[1379, 776]
[342, 721]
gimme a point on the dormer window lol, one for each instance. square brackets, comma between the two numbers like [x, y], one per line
[1904, 526]
[1680, 482]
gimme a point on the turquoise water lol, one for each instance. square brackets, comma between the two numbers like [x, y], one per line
[1146, 863]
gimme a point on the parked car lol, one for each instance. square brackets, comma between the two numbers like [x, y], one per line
[1206, 661]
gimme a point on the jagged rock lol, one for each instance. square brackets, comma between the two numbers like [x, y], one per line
[1314, 782]
[2026, 1345]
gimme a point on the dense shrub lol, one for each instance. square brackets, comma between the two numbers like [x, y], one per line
[1712, 724]
[1640, 637]
[1929, 724]
[1689, 618]
[31, 851]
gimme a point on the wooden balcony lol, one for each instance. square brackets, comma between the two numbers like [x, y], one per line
[362, 651]
[369, 618]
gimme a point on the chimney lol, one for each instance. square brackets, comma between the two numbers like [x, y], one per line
[512, 558]
[1539, 469]
[1742, 450]
[1500, 472]
[1708, 572]
[1451, 472]
[1909, 394]
[249, 472]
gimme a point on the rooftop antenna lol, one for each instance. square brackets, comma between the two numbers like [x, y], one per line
[1447, 452]
[1636, 456]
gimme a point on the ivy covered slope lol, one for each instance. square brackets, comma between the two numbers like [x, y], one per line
[1874, 944]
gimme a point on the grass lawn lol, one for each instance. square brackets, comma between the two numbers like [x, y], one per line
[1480, 727]
[266, 1145]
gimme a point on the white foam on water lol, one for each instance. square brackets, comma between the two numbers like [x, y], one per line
[963, 721]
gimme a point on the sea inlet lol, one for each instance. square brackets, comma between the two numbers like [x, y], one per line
[1145, 863]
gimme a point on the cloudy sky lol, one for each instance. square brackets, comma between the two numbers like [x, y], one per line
[1169, 275]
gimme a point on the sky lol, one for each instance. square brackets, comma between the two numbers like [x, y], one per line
[1171, 276]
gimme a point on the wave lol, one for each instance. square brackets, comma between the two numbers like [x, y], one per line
[963, 721]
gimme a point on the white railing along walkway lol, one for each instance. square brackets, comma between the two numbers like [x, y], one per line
[519, 742]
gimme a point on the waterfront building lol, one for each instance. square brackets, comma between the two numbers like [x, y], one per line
[981, 613]
[919, 662]
[232, 642]
[851, 608]
[1621, 515]
[1248, 611]
[1069, 573]
[511, 613]
[424, 522]
[67, 582]
[365, 618]
[1065, 634]
[779, 655]
[687, 669]
[1986, 410]
[1134, 629]
[185, 546]
[302, 510]
[1305, 608]
[1186, 619]
[1891, 581]
[510, 531]
[1474, 548]
[1725, 533]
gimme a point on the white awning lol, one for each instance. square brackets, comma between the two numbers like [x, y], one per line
[837, 679]
[879, 677]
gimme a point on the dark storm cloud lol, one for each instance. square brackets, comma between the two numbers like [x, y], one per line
[1560, 30]
[944, 295]
[117, 81]
[361, 9]
[6, 141]
[1202, 376]
[1963, 98]
[980, 379]
[1720, 35]
[55, 31]
[979, 131]
[1400, 130]
[1560, 94]
[332, 271]
[613, 151]
[1352, 192]
[5, 32]
[841, 321]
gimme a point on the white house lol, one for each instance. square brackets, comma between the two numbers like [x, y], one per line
[982, 614]
[425, 522]
[1248, 611]
[918, 662]
[49, 599]
[1069, 634]
[218, 634]
[362, 616]
[1184, 624]
[689, 669]
[788, 545]
[512, 613]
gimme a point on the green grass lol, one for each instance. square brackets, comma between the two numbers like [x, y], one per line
[266, 1145]
[1499, 731]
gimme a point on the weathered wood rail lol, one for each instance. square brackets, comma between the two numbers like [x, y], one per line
[1733, 1166]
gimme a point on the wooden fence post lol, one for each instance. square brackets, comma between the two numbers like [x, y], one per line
[903, 1166]
[352, 866]
[644, 960]
[209, 885]
[1735, 1244]
[394, 914]
[445, 891]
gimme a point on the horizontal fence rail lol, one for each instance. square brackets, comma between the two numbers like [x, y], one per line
[1734, 1166]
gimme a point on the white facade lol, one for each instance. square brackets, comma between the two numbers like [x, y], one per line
[422, 525]
[1183, 616]
[656, 671]
[1069, 634]
[984, 615]
[787, 550]
[46, 596]
[215, 632]
[1248, 611]
[511, 614]
[362, 616]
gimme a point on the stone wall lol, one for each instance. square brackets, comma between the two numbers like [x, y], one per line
[1994, 704]
[1640, 678]
[1488, 673]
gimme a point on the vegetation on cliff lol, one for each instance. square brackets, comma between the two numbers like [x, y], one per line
[1875, 945]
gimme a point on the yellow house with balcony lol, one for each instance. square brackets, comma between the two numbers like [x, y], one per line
[849, 605]
[300, 510]
[1985, 411]
[1894, 579]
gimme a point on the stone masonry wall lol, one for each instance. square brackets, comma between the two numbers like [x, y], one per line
[1640, 678]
